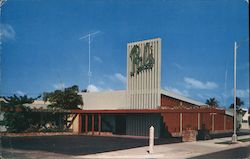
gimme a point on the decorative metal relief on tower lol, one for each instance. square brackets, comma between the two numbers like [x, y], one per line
[141, 63]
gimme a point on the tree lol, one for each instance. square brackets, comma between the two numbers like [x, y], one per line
[212, 102]
[17, 117]
[64, 99]
[239, 104]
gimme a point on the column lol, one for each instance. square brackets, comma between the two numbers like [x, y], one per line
[86, 123]
[181, 123]
[93, 123]
[79, 123]
[225, 122]
[199, 124]
[213, 122]
[99, 123]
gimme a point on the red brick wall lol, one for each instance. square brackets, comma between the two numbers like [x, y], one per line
[219, 122]
[190, 120]
[172, 102]
[206, 119]
[229, 123]
[172, 121]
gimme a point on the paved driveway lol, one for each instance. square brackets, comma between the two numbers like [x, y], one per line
[72, 145]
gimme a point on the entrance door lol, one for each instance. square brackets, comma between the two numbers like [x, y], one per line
[120, 125]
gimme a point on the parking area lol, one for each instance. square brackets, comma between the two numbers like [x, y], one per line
[73, 144]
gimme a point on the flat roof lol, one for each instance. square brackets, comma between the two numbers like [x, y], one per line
[168, 110]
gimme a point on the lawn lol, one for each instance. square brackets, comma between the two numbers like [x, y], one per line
[230, 142]
[245, 140]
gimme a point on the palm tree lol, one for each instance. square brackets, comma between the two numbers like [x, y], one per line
[239, 103]
[212, 102]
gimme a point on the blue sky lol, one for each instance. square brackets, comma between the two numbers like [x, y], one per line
[41, 50]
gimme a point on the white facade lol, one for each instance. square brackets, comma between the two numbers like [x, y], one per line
[111, 100]
[245, 122]
[144, 74]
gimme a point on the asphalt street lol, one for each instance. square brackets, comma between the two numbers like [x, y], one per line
[237, 153]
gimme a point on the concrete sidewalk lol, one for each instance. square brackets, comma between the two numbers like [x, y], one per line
[174, 151]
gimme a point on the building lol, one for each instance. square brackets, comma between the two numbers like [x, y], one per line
[242, 119]
[144, 103]
[245, 119]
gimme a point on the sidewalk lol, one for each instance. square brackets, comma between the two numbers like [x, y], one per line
[173, 151]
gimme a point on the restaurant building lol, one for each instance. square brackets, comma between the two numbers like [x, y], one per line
[144, 103]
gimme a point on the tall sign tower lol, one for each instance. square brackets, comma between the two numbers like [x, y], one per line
[144, 74]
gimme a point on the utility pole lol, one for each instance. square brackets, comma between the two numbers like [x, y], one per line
[89, 42]
[234, 137]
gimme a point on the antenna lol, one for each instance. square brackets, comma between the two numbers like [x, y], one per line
[2, 2]
[89, 41]
[61, 84]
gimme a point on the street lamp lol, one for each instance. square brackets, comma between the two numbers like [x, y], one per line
[234, 137]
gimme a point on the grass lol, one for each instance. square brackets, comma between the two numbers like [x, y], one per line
[244, 140]
[230, 142]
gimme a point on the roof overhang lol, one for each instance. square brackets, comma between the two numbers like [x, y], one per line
[177, 110]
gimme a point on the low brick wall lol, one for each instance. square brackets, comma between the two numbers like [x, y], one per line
[189, 135]
[38, 134]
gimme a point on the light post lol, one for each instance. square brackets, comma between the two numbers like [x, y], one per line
[234, 137]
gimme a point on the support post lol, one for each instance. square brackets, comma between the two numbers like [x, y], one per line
[99, 123]
[213, 122]
[151, 139]
[180, 123]
[93, 123]
[224, 122]
[80, 123]
[199, 122]
[86, 123]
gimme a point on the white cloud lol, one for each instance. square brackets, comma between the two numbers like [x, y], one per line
[193, 83]
[177, 91]
[97, 59]
[7, 32]
[59, 86]
[20, 93]
[177, 65]
[242, 93]
[93, 88]
[121, 78]
[118, 77]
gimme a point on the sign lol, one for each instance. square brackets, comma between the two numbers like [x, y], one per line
[141, 63]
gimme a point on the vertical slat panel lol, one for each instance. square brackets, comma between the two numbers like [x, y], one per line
[144, 87]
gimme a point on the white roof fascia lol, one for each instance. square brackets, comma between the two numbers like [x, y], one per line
[229, 113]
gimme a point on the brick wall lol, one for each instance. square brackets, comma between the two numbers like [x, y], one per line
[206, 120]
[172, 102]
[229, 122]
[176, 122]
[171, 121]
[219, 122]
[190, 120]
